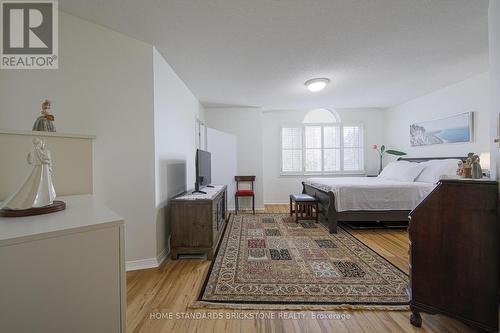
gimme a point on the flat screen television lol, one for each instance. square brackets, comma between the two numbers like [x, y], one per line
[203, 170]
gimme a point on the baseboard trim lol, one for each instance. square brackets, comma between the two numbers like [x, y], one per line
[135, 265]
[163, 255]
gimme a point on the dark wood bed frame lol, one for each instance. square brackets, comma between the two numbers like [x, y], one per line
[330, 216]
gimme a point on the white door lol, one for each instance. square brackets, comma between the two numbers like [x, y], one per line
[223, 147]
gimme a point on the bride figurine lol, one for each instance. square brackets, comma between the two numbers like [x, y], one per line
[37, 190]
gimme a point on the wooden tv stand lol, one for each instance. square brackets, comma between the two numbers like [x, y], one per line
[198, 221]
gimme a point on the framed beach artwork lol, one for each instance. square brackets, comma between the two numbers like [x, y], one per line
[458, 128]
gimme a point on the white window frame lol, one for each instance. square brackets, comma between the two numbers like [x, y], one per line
[281, 148]
[201, 134]
[341, 126]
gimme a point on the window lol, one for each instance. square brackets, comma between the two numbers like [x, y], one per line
[292, 149]
[353, 148]
[322, 145]
[321, 116]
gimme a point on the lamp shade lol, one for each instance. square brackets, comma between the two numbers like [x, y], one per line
[485, 160]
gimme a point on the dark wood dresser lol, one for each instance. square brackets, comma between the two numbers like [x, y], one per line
[198, 221]
[454, 254]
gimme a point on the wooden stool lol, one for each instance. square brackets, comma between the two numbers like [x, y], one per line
[306, 207]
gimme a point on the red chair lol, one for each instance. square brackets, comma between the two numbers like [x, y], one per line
[244, 193]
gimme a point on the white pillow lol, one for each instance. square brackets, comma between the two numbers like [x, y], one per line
[402, 170]
[434, 170]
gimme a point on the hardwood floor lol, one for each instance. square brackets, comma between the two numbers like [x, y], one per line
[169, 289]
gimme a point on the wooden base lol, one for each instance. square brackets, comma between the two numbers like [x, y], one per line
[174, 253]
[197, 224]
[55, 207]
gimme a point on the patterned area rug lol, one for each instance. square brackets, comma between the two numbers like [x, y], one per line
[268, 259]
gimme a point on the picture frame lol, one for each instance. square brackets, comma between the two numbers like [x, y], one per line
[454, 129]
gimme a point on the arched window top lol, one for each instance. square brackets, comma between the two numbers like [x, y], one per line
[320, 116]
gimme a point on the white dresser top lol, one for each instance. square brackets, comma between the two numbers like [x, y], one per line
[211, 193]
[83, 212]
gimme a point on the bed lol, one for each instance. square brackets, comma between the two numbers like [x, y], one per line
[368, 198]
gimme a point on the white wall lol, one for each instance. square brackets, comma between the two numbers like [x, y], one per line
[494, 37]
[143, 115]
[246, 125]
[175, 113]
[104, 86]
[466, 96]
[224, 150]
[277, 188]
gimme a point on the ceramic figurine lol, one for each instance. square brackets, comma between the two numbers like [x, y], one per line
[477, 171]
[37, 190]
[467, 166]
[460, 169]
[45, 122]
[470, 157]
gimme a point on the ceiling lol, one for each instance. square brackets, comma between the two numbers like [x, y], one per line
[377, 53]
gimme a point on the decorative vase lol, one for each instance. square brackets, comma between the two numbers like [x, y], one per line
[467, 172]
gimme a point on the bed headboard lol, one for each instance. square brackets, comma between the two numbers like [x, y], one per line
[423, 159]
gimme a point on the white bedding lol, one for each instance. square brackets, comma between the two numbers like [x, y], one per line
[373, 193]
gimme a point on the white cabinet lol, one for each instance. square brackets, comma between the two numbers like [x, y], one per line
[63, 272]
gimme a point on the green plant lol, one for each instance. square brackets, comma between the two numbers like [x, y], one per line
[381, 151]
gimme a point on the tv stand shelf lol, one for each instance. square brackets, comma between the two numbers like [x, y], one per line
[198, 220]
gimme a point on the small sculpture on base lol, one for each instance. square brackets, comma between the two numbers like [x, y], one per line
[477, 171]
[460, 169]
[36, 195]
[45, 122]
[471, 168]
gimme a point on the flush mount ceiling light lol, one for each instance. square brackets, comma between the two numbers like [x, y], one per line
[316, 85]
